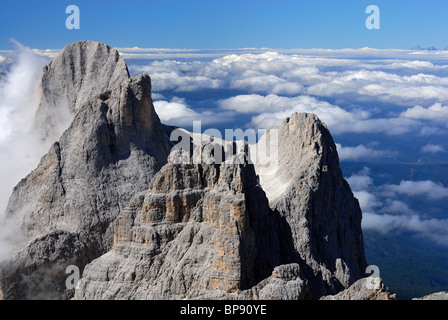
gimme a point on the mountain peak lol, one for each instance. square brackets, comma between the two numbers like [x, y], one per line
[80, 70]
[112, 148]
[107, 199]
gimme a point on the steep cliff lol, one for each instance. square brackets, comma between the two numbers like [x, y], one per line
[112, 198]
[210, 231]
[111, 150]
[308, 190]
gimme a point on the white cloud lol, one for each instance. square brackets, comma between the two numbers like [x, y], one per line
[157, 96]
[359, 182]
[49, 53]
[428, 188]
[362, 85]
[397, 207]
[257, 82]
[433, 229]
[383, 213]
[273, 109]
[436, 111]
[368, 87]
[390, 126]
[169, 111]
[432, 148]
[21, 146]
[359, 152]
[367, 201]
[324, 73]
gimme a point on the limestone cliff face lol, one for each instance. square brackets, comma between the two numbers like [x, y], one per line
[307, 189]
[183, 238]
[199, 231]
[210, 230]
[112, 149]
[111, 198]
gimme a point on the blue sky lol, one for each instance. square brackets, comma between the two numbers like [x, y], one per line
[226, 24]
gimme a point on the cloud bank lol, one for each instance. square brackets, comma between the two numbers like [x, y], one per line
[433, 148]
[177, 112]
[359, 152]
[364, 90]
[427, 188]
[384, 213]
[20, 144]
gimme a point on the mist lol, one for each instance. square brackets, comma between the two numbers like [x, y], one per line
[21, 142]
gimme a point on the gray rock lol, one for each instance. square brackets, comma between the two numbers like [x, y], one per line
[286, 283]
[39, 270]
[370, 288]
[110, 198]
[308, 190]
[297, 246]
[443, 295]
[112, 149]
[190, 236]
[82, 70]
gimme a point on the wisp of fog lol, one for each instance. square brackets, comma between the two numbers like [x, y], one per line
[21, 143]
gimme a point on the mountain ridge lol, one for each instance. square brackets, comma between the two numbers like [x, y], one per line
[111, 199]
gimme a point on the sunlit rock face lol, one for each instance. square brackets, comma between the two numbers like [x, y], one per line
[111, 198]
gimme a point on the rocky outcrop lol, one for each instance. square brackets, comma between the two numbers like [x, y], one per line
[370, 288]
[112, 149]
[188, 236]
[200, 231]
[443, 295]
[82, 70]
[308, 190]
[209, 231]
[112, 198]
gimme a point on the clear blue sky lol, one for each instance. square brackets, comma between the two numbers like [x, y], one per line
[226, 23]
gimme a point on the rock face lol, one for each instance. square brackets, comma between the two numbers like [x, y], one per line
[210, 231]
[308, 190]
[112, 149]
[112, 198]
[81, 71]
[442, 295]
[364, 289]
[188, 236]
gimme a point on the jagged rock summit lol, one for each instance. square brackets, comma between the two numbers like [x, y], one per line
[111, 198]
[112, 149]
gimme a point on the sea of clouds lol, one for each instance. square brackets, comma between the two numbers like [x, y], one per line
[362, 92]
[356, 92]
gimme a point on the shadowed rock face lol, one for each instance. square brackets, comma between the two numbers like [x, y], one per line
[109, 197]
[317, 204]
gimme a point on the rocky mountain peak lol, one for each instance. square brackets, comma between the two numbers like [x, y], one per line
[112, 148]
[275, 220]
[80, 70]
